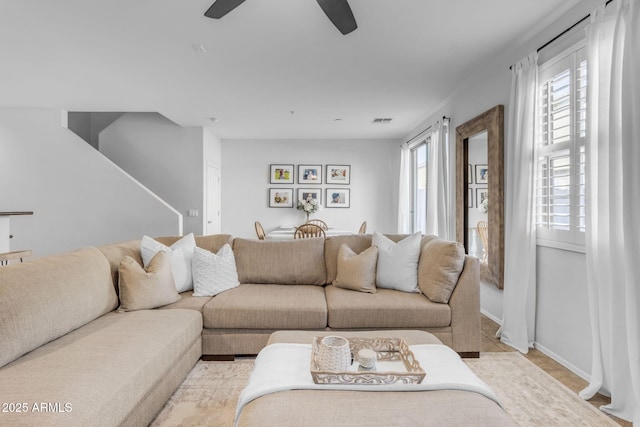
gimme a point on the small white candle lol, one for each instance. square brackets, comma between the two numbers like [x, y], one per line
[367, 358]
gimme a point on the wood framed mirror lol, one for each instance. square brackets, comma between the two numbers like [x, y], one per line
[470, 196]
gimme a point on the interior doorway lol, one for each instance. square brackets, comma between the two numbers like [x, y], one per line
[213, 222]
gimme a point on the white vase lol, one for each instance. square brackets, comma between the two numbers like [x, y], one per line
[334, 354]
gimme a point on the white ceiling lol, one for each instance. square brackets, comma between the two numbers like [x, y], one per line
[262, 61]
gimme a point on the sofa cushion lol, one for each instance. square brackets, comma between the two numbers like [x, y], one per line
[291, 262]
[260, 306]
[144, 288]
[104, 370]
[44, 299]
[357, 271]
[398, 262]
[386, 308]
[114, 254]
[212, 242]
[180, 255]
[356, 242]
[214, 272]
[441, 262]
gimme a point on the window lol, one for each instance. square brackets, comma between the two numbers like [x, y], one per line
[560, 156]
[419, 162]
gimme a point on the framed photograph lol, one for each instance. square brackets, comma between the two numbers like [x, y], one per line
[338, 174]
[482, 174]
[470, 197]
[338, 198]
[281, 174]
[309, 174]
[310, 193]
[481, 194]
[281, 197]
[469, 174]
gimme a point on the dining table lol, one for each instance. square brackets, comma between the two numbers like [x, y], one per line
[286, 232]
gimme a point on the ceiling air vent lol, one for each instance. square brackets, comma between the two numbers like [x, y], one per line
[381, 120]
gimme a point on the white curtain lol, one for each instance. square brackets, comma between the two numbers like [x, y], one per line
[404, 190]
[438, 215]
[518, 324]
[613, 205]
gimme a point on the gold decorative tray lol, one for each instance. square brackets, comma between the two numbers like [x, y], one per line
[396, 364]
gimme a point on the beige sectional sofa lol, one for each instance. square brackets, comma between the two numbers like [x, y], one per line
[69, 358]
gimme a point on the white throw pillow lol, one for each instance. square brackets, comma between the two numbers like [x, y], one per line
[398, 262]
[214, 273]
[181, 254]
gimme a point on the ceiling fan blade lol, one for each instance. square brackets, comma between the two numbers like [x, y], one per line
[339, 12]
[221, 7]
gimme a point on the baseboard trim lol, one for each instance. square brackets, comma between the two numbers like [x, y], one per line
[579, 372]
[542, 349]
[491, 316]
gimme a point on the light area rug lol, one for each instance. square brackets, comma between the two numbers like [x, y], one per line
[532, 397]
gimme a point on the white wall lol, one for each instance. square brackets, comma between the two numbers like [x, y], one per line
[79, 197]
[245, 183]
[563, 328]
[165, 157]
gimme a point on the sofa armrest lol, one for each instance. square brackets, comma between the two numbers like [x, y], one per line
[465, 309]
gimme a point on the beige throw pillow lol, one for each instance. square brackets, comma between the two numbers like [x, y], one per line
[146, 288]
[441, 263]
[357, 271]
[180, 256]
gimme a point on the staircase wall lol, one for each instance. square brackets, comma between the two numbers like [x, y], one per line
[164, 157]
[80, 198]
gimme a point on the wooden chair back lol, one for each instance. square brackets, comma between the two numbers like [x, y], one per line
[483, 232]
[318, 222]
[259, 230]
[306, 231]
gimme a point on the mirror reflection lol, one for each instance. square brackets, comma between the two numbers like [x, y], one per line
[479, 191]
[478, 197]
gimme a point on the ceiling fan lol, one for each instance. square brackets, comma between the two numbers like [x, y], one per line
[338, 11]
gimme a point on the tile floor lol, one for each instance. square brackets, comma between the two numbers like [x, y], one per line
[553, 368]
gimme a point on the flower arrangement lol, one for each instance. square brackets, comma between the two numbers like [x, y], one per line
[308, 205]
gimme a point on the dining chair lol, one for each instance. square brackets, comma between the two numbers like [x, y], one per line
[318, 222]
[308, 231]
[259, 230]
[363, 228]
[483, 232]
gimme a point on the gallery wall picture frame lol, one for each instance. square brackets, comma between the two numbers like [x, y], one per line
[338, 174]
[482, 174]
[281, 174]
[314, 193]
[309, 174]
[338, 198]
[470, 198]
[469, 174]
[280, 197]
[481, 194]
